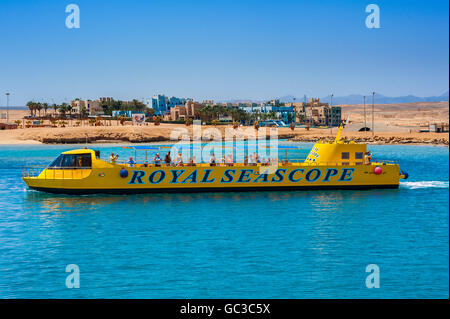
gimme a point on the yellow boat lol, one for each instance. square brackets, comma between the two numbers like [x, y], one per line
[329, 165]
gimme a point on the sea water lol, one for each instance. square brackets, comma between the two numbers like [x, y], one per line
[302, 244]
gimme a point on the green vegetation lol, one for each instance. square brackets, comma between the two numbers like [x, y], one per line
[210, 113]
[118, 105]
[64, 109]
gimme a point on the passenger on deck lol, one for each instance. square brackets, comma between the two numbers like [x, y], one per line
[230, 160]
[113, 158]
[157, 160]
[131, 162]
[224, 160]
[367, 157]
[246, 160]
[146, 164]
[212, 160]
[179, 160]
[253, 158]
[168, 159]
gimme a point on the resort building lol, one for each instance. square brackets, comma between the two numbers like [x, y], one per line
[92, 107]
[317, 113]
[162, 104]
[208, 102]
[174, 101]
[275, 102]
[284, 113]
[179, 112]
[159, 104]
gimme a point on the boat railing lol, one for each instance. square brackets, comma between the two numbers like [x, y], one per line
[343, 162]
[280, 162]
[45, 172]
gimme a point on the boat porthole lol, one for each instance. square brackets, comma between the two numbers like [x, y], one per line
[101, 174]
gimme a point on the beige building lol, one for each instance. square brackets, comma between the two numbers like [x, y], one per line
[317, 113]
[208, 102]
[92, 107]
[189, 110]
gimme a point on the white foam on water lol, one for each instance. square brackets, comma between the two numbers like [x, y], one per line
[424, 184]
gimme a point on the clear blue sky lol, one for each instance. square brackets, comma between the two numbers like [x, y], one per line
[221, 49]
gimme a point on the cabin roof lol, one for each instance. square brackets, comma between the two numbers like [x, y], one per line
[80, 151]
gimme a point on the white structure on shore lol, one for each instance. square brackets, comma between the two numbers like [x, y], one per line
[162, 104]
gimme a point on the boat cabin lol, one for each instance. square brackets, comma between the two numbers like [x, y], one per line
[75, 159]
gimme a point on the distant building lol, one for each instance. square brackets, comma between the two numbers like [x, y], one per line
[174, 101]
[106, 99]
[438, 127]
[274, 102]
[317, 113]
[208, 102]
[336, 116]
[117, 113]
[285, 113]
[92, 107]
[189, 110]
[159, 104]
[162, 104]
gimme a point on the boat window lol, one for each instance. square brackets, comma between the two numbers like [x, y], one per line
[68, 161]
[57, 162]
[345, 155]
[359, 155]
[84, 161]
[72, 161]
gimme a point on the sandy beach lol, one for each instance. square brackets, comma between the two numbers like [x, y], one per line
[394, 124]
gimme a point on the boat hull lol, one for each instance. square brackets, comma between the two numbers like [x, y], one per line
[204, 178]
[125, 191]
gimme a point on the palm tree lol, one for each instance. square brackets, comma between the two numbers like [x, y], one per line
[30, 105]
[150, 111]
[105, 107]
[69, 108]
[55, 107]
[272, 115]
[46, 107]
[83, 112]
[138, 106]
[39, 107]
[63, 109]
[206, 113]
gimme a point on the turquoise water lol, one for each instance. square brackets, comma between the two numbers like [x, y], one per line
[310, 244]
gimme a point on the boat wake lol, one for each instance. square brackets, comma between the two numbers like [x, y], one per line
[424, 184]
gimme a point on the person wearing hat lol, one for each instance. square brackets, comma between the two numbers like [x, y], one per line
[157, 160]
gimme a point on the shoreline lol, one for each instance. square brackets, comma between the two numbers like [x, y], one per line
[398, 123]
[154, 134]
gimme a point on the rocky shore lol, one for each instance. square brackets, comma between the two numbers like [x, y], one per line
[172, 132]
[378, 139]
